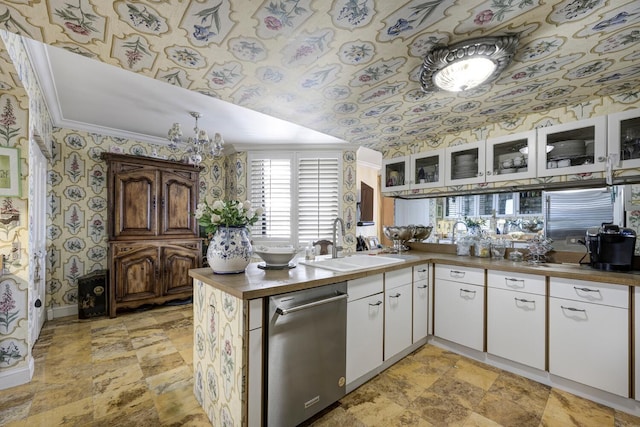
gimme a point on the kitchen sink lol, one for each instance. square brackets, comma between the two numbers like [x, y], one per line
[352, 263]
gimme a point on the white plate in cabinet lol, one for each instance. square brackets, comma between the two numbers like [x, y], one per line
[365, 323]
[456, 273]
[589, 344]
[624, 137]
[465, 164]
[459, 313]
[511, 157]
[529, 283]
[586, 156]
[397, 320]
[516, 326]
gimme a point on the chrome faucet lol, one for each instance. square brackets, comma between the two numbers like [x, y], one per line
[453, 230]
[334, 244]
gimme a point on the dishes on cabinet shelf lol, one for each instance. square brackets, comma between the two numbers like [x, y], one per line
[567, 149]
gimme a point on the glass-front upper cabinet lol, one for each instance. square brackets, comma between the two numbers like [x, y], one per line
[577, 147]
[508, 157]
[465, 164]
[624, 137]
[395, 174]
[426, 169]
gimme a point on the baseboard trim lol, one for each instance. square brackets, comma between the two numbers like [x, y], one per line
[16, 377]
[63, 311]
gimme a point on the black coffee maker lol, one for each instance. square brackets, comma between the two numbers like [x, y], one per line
[611, 247]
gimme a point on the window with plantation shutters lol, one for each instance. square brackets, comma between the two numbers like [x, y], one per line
[269, 183]
[300, 194]
[318, 197]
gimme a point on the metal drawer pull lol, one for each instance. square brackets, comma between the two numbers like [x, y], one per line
[456, 273]
[376, 304]
[511, 279]
[573, 309]
[422, 287]
[466, 290]
[586, 289]
[283, 311]
[424, 270]
[525, 300]
[395, 296]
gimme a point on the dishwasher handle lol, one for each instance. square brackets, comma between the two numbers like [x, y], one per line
[283, 311]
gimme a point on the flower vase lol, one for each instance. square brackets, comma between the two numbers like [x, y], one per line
[229, 250]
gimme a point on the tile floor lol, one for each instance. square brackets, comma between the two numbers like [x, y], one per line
[135, 370]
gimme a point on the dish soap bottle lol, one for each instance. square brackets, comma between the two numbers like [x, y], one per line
[310, 252]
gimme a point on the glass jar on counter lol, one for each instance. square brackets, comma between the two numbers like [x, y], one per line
[482, 248]
[463, 245]
[499, 248]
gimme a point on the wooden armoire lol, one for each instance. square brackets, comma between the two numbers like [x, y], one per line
[153, 235]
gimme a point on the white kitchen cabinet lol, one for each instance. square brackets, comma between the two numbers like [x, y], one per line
[623, 131]
[417, 171]
[576, 147]
[465, 164]
[397, 311]
[511, 157]
[395, 174]
[589, 334]
[421, 290]
[426, 169]
[365, 316]
[459, 305]
[516, 307]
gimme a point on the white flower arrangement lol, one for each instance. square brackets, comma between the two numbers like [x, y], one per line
[230, 213]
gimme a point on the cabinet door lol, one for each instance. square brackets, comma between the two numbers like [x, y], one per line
[136, 272]
[135, 199]
[516, 326]
[364, 335]
[459, 313]
[426, 169]
[571, 148]
[511, 157]
[176, 263]
[179, 197]
[465, 164]
[420, 309]
[397, 320]
[395, 174]
[589, 344]
[624, 138]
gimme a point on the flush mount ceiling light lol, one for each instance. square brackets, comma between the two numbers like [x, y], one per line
[467, 64]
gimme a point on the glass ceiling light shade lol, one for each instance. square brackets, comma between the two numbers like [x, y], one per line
[199, 146]
[467, 64]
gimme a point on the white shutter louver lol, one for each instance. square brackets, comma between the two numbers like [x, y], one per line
[270, 187]
[318, 197]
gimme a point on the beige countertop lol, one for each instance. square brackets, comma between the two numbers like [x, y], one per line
[257, 283]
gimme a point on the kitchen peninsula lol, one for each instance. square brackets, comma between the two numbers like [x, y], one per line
[228, 325]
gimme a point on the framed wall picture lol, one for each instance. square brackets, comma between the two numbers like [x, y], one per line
[9, 172]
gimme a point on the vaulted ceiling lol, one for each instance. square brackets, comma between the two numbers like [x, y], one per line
[344, 68]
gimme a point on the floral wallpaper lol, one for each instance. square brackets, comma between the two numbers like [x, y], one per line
[351, 68]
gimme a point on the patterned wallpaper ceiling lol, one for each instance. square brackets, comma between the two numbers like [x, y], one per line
[350, 68]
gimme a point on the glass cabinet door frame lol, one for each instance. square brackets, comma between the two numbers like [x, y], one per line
[402, 162]
[546, 135]
[528, 154]
[615, 131]
[434, 178]
[451, 152]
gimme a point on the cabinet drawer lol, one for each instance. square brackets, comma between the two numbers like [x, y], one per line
[455, 273]
[396, 278]
[593, 292]
[529, 283]
[364, 286]
[421, 272]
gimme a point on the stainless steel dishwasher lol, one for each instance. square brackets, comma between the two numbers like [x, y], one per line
[306, 353]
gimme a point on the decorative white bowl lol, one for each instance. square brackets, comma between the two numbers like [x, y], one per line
[276, 256]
